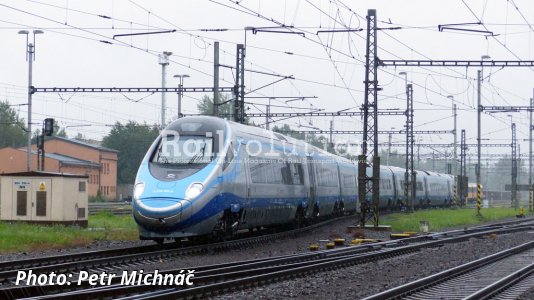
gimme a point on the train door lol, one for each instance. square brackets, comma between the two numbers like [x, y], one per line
[248, 186]
[237, 184]
[312, 194]
[242, 180]
[246, 163]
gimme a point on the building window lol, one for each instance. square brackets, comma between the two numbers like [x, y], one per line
[81, 186]
[81, 212]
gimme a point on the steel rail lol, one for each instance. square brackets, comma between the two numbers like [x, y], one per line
[216, 278]
[125, 256]
[432, 280]
[48, 260]
[505, 283]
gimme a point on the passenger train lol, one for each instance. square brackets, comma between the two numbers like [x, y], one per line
[209, 177]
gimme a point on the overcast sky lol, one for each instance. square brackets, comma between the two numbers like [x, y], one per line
[328, 66]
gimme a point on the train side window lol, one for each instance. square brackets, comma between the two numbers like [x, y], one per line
[419, 186]
[326, 176]
[229, 157]
[278, 170]
[286, 174]
[297, 173]
[349, 180]
[257, 174]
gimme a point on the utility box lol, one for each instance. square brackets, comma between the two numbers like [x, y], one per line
[44, 198]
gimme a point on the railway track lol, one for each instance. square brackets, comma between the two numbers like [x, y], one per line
[121, 257]
[505, 275]
[213, 279]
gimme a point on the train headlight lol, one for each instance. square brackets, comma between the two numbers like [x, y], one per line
[194, 190]
[138, 190]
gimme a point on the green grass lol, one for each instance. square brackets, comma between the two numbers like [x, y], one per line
[445, 218]
[20, 237]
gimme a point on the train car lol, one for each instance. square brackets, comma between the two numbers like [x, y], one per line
[437, 189]
[209, 177]
[432, 189]
[398, 182]
[387, 187]
[205, 176]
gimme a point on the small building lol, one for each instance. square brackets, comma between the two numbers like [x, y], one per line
[105, 179]
[44, 197]
[14, 160]
[64, 155]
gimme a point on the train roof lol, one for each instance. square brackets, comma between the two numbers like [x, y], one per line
[281, 139]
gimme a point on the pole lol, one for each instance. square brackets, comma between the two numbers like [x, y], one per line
[412, 141]
[408, 143]
[163, 71]
[239, 84]
[267, 115]
[42, 149]
[164, 62]
[30, 93]
[530, 206]
[38, 153]
[389, 148]
[216, 79]
[479, 138]
[455, 153]
[514, 200]
[331, 129]
[180, 98]
[370, 126]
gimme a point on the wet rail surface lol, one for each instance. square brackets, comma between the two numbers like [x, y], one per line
[96, 261]
[214, 279]
[505, 275]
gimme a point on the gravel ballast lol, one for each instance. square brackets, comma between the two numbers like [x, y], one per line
[345, 283]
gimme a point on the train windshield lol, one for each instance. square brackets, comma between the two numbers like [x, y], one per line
[184, 150]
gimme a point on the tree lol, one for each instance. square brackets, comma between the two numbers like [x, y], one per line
[58, 131]
[80, 137]
[205, 106]
[12, 129]
[132, 140]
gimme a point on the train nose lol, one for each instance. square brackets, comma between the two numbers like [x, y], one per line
[161, 213]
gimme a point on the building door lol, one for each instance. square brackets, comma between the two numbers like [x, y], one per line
[21, 208]
[40, 199]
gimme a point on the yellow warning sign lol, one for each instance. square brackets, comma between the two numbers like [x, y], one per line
[42, 186]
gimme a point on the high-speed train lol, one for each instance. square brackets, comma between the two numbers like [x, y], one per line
[209, 177]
